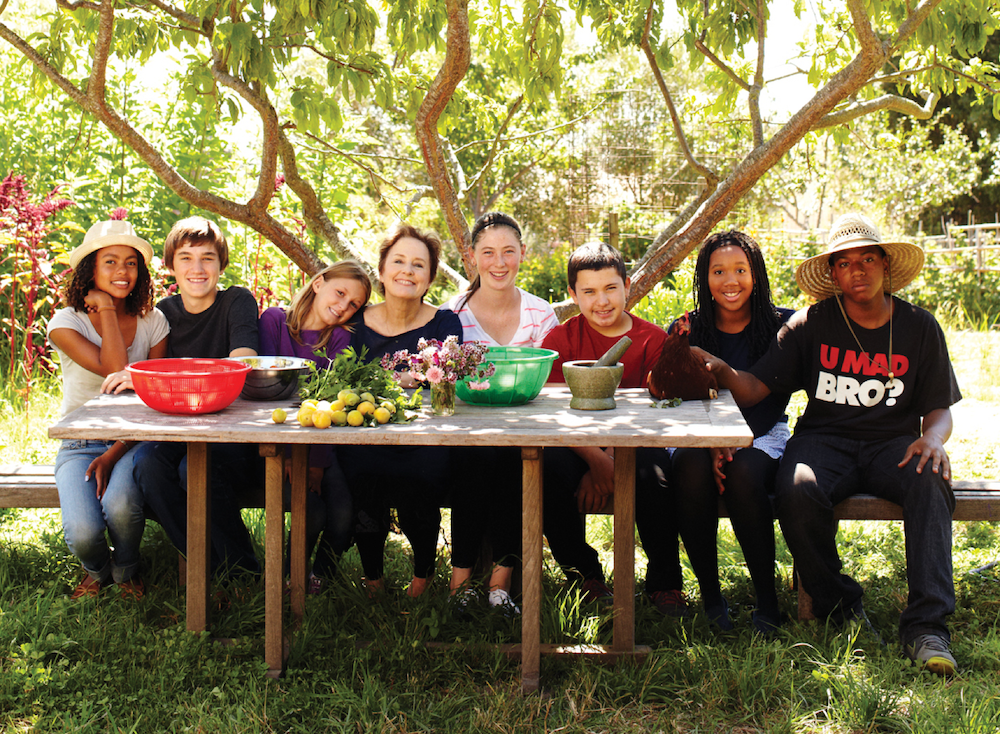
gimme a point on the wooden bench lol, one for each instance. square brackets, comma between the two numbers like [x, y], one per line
[978, 500]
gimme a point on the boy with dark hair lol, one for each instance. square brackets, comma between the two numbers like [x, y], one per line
[580, 479]
[880, 386]
[204, 322]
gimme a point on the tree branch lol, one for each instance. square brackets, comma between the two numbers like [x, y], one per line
[269, 121]
[451, 73]
[491, 156]
[711, 178]
[699, 43]
[313, 212]
[326, 56]
[892, 102]
[674, 243]
[193, 21]
[758, 81]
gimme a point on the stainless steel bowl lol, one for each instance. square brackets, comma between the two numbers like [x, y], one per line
[272, 378]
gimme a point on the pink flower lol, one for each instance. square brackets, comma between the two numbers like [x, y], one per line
[435, 374]
[484, 385]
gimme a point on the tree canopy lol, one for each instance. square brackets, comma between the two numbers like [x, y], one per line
[469, 81]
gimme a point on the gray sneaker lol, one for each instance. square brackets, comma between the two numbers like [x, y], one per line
[931, 652]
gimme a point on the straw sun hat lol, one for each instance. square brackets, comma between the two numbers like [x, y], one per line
[105, 234]
[851, 231]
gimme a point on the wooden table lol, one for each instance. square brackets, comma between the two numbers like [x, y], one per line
[545, 421]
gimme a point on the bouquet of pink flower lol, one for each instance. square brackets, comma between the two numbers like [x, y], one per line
[436, 362]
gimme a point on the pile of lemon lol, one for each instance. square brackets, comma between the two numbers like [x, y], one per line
[349, 409]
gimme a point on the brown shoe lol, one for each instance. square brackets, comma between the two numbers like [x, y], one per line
[89, 587]
[133, 588]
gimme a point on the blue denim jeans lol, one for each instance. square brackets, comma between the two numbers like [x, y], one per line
[816, 473]
[86, 518]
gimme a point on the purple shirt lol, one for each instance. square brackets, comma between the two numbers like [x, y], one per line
[275, 341]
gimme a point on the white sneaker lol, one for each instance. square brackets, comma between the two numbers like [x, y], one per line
[501, 599]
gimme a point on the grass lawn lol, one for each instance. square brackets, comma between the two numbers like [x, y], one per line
[110, 665]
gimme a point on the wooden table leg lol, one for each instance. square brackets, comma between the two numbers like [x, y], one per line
[300, 478]
[199, 518]
[624, 624]
[274, 549]
[531, 560]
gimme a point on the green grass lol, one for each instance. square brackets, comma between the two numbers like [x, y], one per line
[108, 665]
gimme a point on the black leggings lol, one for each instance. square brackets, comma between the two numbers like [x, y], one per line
[411, 479]
[749, 477]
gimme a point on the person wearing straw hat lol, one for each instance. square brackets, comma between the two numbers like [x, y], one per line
[880, 385]
[110, 321]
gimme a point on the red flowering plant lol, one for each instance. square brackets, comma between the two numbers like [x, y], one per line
[436, 362]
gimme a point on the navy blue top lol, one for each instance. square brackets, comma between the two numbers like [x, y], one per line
[444, 324]
[734, 349]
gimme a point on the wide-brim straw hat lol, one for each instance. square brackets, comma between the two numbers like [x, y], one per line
[106, 234]
[851, 231]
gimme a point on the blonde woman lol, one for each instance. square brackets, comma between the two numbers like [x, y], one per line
[314, 328]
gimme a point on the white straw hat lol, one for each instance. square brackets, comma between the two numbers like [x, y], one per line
[107, 233]
[851, 231]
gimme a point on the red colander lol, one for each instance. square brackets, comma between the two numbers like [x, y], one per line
[186, 385]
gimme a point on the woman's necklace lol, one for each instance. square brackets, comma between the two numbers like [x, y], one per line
[861, 348]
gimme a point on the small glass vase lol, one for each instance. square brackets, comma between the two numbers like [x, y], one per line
[443, 398]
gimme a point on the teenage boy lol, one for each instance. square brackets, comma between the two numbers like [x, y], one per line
[880, 386]
[204, 322]
[580, 479]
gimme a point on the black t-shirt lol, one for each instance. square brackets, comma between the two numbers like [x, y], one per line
[734, 349]
[444, 324]
[848, 392]
[229, 323]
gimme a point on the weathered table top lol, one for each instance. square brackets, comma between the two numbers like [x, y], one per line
[545, 421]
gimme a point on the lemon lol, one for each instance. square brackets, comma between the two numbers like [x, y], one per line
[305, 416]
[355, 418]
[322, 419]
[337, 404]
[310, 403]
[339, 418]
[323, 405]
[382, 415]
[366, 407]
[367, 397]
[390, 406]
[278, 415]
[350, 399]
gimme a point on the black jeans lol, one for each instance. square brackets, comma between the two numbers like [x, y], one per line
[160, 471]
[819, 471]
[655, 517]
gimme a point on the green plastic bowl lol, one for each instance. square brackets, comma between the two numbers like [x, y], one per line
[521, 373]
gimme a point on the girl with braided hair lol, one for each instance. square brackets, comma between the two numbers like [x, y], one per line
[734, 317]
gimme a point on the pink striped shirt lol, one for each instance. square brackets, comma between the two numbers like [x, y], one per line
[537, 320]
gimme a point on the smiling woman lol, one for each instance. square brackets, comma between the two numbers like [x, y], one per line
[411, 479]
[109, 323]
